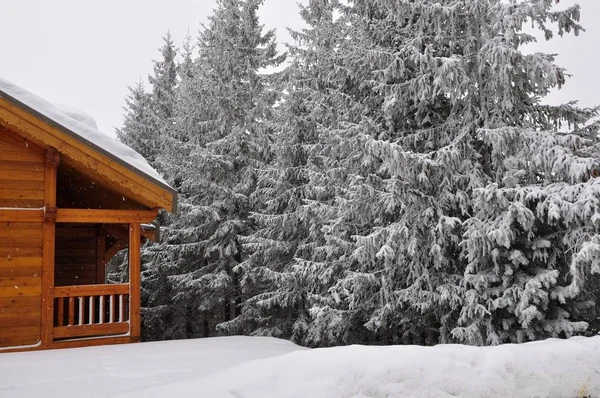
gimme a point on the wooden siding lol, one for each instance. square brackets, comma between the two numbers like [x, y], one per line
[22, 168]
[76, 255]
[21, 172]
[20, 283]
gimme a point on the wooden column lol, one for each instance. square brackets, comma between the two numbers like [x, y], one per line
[134, 281]
[48, 246]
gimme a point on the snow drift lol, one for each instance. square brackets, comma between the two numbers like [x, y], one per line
[551, 368]
[245, 367]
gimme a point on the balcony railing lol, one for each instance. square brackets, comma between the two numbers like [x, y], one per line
[91, 311]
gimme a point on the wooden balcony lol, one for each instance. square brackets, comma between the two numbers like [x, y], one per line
[91, 311]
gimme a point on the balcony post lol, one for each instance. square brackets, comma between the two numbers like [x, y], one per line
[48, 246]
[134, 281]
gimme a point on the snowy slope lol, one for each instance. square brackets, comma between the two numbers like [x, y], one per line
[80, 127]
[112, 370]
[552, 368]
[252, 367]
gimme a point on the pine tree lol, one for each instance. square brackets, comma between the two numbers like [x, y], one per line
[224, 104]
[149, 115]
[454, 236]
[137, 123]
[148, 121]
[280, 274]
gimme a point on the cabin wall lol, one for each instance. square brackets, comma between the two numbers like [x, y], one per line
[78, 255]
[22, 168]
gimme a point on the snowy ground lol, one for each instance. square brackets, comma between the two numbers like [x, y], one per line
[242, 367]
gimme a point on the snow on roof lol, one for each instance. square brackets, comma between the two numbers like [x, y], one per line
[82, 127]
[78, 115]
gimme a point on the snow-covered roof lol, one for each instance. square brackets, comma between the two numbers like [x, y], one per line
[81, 127]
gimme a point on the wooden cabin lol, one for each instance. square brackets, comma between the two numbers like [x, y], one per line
[70, 199]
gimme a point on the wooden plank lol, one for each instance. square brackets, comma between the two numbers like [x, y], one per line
[104, 329]
[16, 232]
[22, 320]
[91, 290]
[22, 225]
[16, 341]
[11, 145]
[21, 272]
[8, 165]
[105, 216]
[17, 194]
[12, 154]
[22, 203]
[8, 292]
[20, 301]
[20, 242]
[29, 310]
[16, 175]
[20, 195]
[22, 185]
[20, 262]
[89, 342]
[124, 180]
[16, 331]
[14, 252]
[12, 281]
[20, 143]
[22, 215]
[134, 280]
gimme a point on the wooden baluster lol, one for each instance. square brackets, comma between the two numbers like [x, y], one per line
[111, 315]
[92, 315]
[101, 310]
[61, 311]
[71, 311]
[121, 308]
[81, 310]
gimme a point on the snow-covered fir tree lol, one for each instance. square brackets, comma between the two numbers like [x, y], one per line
[282, 274]
[411, 186]
[149, 116]
[470, 159]
[220, 138]
[138, 127]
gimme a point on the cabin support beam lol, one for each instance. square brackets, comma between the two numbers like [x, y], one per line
[105, 216]
[114, 249]
[48, 246]
[8, 214]
[134, 281]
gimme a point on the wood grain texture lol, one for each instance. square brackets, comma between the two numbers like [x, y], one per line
[134, 280]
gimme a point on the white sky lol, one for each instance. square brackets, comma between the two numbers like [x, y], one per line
[85, 53]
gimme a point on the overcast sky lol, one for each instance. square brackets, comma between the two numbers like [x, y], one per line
[85, 53]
